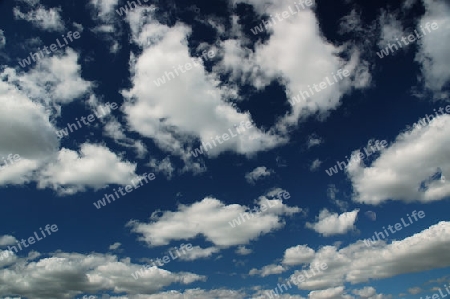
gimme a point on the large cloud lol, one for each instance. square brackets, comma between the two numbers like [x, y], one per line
[65, 275]
[433, 54]
[394, 177]
[211, 218]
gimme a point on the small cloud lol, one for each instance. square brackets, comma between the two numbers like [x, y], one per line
[315, 165]
[314, 140]
[2, 39]
[242, 250]
[256, 174]
[329, 224]
[414, 291]
[114, 246]
[371, 215]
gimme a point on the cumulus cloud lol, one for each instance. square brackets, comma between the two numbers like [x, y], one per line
[7, 240]
[256, 174]
[211, 218]
[198, 253]
[55, 79]
[391, 28]
[300, 254]
[329, 224]
[314, 140]
[268, 270]
[358, 263]
[393, 177]
[95, 167]
[315, 165]
[70, 274]
[42, 18]
[432, 54]
[115, 246]
[242, 250]
[191, 108]
[2, 39]
[274, 60]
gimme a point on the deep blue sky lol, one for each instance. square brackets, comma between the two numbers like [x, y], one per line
[193, 199]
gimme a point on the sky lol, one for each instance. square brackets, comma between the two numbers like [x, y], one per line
[228, 149]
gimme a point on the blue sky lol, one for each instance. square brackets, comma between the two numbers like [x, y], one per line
[99, 95]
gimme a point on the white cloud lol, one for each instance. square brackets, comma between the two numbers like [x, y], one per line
[391, 28]
[95, 167]
[268, 270]
[297, 255]
[242, 250]
[69, 274]
[433, 54]
[358, 263]
[164, 166]
[293, 55]
[314, 140]
[42, 18]
[256, 174]
[211, 218]
[315, 165]
[329, 224]
[107, 27]
[6, 240]
[2, 39]
[393, 177]
[198, 253]
[22, 117]
[115, 246]
[190, 107]
[55, 79]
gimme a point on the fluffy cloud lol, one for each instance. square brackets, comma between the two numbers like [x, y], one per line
[191, 108]
[2, 39]
[329, 224]
[55, 79]
[315, 165]
[95, 167]
[42, 18]
[393, 177]
[358, 263]
[67, 275]
[300, 254]
[268, 270]
[433, 55]
[256, 174]
[289, 50]
[211, 218]
[198, 253]
[7, 240]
